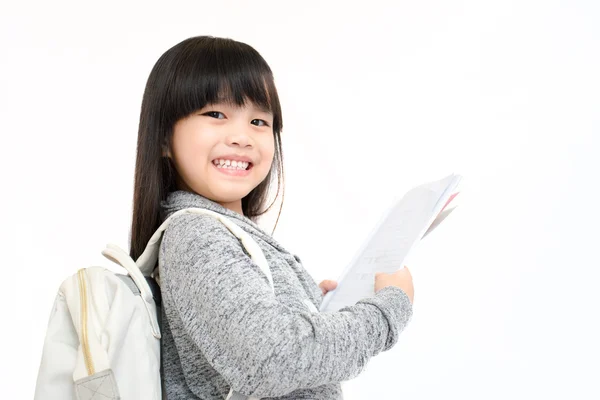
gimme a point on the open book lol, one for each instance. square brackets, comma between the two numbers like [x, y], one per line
[406, 222]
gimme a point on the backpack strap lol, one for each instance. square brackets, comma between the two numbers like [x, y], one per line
[146, 262]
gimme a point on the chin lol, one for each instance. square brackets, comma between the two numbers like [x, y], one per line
[230, 196]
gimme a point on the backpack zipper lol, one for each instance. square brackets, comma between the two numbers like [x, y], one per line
[87, 355]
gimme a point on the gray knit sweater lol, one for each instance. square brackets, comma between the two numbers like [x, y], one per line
[223, 327]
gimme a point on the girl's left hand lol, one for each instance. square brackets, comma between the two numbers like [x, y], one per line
[327, 285]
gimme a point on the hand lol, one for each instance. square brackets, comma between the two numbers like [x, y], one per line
[327, 285]
[401, 278]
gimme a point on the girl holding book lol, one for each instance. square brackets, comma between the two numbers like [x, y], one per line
[209, 137]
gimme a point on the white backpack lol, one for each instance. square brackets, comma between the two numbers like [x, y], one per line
[103, 337]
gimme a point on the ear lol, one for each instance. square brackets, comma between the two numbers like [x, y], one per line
[165, 151]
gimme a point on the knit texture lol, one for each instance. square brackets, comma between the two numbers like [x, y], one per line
[223, 327]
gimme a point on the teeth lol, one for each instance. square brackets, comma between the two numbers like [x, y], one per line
[231, 164]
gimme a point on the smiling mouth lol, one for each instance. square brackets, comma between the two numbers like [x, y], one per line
[233, 165]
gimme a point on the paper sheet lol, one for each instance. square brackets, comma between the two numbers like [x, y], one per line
[403, 225]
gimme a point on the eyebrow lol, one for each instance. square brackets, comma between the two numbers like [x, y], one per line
[264, 109]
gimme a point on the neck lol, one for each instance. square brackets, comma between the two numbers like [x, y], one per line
[233, 206]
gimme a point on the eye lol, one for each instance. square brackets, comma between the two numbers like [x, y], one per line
[264, 122]
[212, 113]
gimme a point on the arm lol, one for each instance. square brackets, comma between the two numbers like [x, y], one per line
[259, 345]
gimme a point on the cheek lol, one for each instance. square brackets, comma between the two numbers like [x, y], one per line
[269, 149]
[190, 147]
[184, 152]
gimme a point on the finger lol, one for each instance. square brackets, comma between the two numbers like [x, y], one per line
[329, 284]
[322, 287]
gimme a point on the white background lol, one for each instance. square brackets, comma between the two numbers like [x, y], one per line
[377, 98]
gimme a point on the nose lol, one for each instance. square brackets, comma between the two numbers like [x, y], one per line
[240, 137]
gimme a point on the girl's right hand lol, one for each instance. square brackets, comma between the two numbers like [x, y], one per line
[401, 278]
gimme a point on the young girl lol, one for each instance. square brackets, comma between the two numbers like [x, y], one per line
[209, 137]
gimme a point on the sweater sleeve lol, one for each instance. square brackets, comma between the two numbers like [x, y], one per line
[259, 345]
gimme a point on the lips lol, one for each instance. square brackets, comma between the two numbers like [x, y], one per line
[233, 171]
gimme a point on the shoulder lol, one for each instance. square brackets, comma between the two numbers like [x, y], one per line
[187, 227]
[193, 244]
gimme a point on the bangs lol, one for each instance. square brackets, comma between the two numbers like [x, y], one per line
[208, 72]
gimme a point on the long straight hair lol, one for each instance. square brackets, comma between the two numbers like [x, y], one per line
[196, 72]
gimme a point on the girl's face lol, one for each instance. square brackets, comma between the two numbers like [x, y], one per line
[222, 152]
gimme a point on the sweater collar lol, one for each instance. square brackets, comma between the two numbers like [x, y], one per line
[180, 199]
